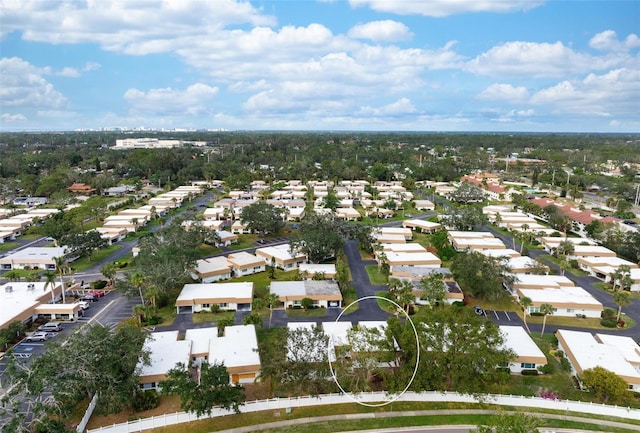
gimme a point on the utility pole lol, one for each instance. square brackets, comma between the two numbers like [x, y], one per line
[637, 195]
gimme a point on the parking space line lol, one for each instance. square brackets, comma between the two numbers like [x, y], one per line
[495, 313]
[506, 313]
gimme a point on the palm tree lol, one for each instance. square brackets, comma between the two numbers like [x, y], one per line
[621, 298]
[525, 236]
[137, 279]
[526, 302]
[152, 292]
[109, 272]
[60, 264]
[50, 280]
[139, 311]
[564, 265]
[271, 300]
[546, 310]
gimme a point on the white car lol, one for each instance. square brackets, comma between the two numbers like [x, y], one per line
[83, 304]
[39, 336]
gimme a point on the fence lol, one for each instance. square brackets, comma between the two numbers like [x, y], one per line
[87, 414]
[451, 397]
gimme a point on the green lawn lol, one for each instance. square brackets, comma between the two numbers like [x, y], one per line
[6, 246]
[349, 296]
[261, 280]
[204, 317]
[299, 313]
[589, 323]
[83, 263]
[375, 276]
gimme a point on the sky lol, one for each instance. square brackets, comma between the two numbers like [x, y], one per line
[370, 65]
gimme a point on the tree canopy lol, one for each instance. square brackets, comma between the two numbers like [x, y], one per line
[262, 217]
[479, 275]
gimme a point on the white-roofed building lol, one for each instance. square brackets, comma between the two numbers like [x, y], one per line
[227, 296]
[421, 226]
[309, 270]
[33, 258]
[165, 352]
[424, 205]
[394, 259]
[599, 267]
[566, 301]
[323, 293]
[19, 300]
[212, 269]
[401, 231]
[410, 247]
[528, 354]
[282, 256]
[243, 263]
[618, 354]
[237, 348]
[507, 252]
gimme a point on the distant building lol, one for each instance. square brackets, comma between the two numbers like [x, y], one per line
[154, 143]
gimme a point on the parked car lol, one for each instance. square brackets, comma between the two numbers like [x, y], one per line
[261, 241]
[97, 293]
[50, 327]
[83, 304]
[89, 298]
[40, 336]
[478, 310]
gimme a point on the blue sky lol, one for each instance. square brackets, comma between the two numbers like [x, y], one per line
[418, 65]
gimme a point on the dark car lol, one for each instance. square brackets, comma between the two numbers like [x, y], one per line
[89, 298]
[261, 241]
[478, 310]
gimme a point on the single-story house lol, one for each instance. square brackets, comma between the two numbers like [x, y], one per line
[112, 234]
[550, 243]
[424, 205]
[309, 270]
[528, 354]
[410, 247]
[599, 267]
[227, 296]
[616, 353]
[529, 281]
[243, 263]
[33, 258]
[237, 348]
[281, 256]
[421, 226]
[401, 231]
[394, 259]
[165, 352]
[323, 293]
[212, 269]
[348, 213]
[566, 301]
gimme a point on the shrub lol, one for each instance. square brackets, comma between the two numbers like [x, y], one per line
[546, 369]
[609, 323]
[215, 308]
[529, 372]
[560, 353]
[620, 323]
[154, 320]
[537, 314]
[99, 285]
[145, 400]
[566, 365]
[608, 313]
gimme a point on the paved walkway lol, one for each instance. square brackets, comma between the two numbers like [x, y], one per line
[420, 413]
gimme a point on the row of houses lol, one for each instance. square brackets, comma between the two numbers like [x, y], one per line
[598, 261]
[12, 226]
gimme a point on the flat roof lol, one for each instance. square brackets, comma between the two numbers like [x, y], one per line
[279, 252]
[421, 271]
[588, 353]
[626, 345]
[212, 264]
[313, 268]
[405, 247]
[201, 339]
[466, 235]
[561, 295]
[165, 352]
[18, 297]
[238, 347]
[337, 332]
[244, 258]
[305, 288]
[519, 340]
[420, 257]
[35, 253]
[506, 252]
[421, 223]
[523, 280]
[240, 290]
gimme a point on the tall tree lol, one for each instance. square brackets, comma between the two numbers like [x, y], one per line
[211, 388]
[479, 275]
[272, 301]
[70, 373]
[607, 386]
[622, 299]
[262, 217]
[320, 237]
[546, 310]
[526, 302]
[434, 289]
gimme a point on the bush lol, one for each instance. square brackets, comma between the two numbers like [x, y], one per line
[154, 320]
[609, 323]
[566, 365]
[608, 313]
[99, 285]
[529, 372]
[620, 323]
[537, 314]
[145, 400]
[546, 369]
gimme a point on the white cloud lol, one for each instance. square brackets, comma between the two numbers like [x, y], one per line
[193, 100]
[381, 31]
[68, 72]
[615, 93]
[520, 58]
[12, 118]
[400, 107]
[442, 8]
[23, 85]
[91, 66]
[133, 27]
[608, 41]
[505, 92]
